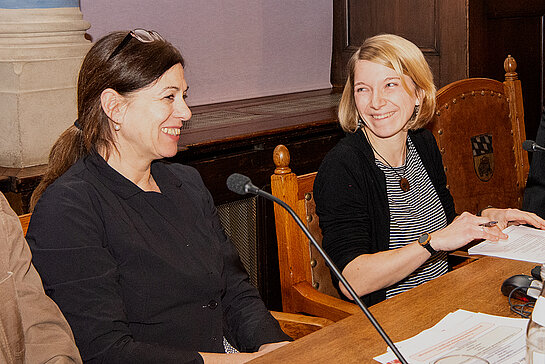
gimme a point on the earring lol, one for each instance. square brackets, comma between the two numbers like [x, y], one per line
[360, 123]
[415, 112]
[117, 127]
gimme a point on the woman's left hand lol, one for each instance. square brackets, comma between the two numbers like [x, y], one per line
[265, 348]
[505, 216]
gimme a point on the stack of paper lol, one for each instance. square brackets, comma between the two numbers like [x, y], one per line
[524, 243]
[494, 338]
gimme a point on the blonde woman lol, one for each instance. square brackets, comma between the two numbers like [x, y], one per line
[387, 218]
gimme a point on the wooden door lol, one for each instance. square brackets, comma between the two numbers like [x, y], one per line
[438, 28]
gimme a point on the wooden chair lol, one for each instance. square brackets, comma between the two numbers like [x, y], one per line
[304, 277]
[479, 128]
[296, 326]
[478, 111]
[25, 220]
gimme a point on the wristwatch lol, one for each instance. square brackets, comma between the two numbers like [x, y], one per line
[424, 241]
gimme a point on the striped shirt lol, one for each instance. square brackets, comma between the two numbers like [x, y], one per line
[413, 213]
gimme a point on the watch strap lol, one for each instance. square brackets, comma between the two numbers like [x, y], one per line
[424, 241]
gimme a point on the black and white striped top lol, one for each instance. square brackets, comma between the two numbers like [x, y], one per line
[413, 213]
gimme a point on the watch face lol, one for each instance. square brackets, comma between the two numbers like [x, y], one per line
[423, 238]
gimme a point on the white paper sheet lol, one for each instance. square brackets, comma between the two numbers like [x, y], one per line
[500, 340]
[524, 243]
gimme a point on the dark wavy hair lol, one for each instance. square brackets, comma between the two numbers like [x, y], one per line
[136, 66]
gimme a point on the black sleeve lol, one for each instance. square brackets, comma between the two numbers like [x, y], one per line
[248, 321]
[341, 192]
[70, 251]
[534, 194]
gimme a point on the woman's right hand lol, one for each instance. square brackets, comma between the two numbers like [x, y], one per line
[465, 228]
[220, 358]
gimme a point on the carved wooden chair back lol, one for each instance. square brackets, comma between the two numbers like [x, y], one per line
[305, 279]
[479, 128]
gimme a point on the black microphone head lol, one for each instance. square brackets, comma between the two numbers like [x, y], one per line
[237, 183]
[528, 145]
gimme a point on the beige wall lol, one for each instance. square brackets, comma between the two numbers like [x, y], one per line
[40, 54]
[234, 49]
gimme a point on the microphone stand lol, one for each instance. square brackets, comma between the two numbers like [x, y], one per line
[255, 190]
[532, 146]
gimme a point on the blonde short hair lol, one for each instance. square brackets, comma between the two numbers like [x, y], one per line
[405, 58]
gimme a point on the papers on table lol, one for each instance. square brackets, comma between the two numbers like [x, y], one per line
[500, 340]
[524, 243]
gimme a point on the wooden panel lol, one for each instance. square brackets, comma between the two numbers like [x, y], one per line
[523, 8]
[435, 65]
[438, 28]
[17, 184]
[499, 28]
[415, 20]
[453, 42]
[527, 54]
[252, 155]
[340, 53]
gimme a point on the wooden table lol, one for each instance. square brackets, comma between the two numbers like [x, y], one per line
[474, 287]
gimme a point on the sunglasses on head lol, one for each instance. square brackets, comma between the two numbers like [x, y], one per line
[142, 35]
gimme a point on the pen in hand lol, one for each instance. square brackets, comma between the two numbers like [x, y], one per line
[488, 224]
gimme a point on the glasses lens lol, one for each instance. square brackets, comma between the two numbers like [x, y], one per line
[142, 35]
[146, 36]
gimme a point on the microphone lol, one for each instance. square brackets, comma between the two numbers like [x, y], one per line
[242, 185]
[531, 146]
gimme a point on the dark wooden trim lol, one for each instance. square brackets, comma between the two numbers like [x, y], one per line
[510, 9]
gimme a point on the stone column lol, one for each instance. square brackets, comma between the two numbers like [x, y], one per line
[42, 44]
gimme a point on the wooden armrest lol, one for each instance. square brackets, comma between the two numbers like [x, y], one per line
[319, 304]
[297, 325]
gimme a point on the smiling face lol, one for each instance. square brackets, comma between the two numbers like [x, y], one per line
[381, 99]
[151, 118]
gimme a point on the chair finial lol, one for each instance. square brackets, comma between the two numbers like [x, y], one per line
[510, 67]
[281, 158]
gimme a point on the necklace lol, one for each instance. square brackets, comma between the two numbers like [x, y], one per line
[403, 182]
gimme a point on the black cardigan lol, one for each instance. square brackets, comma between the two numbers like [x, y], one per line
[352, 202]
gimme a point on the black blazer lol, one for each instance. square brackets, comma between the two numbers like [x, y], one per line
[144, 277]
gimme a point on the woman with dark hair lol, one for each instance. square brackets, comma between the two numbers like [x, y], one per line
[129, 246]
[386, 214]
